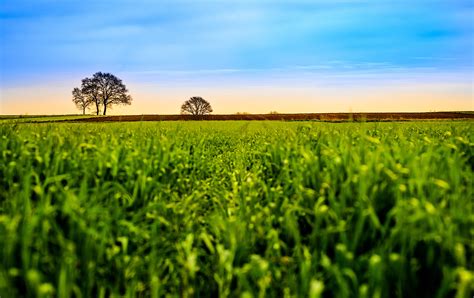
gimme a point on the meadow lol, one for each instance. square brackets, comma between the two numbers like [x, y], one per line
[41, 118]
[237, 208]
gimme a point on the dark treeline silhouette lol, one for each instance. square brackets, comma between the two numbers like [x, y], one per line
[102, 91]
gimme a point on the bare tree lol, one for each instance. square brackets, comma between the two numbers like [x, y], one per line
[196, 106]
[112, 90]
[103, 90]
[91, 90]
[81, 101]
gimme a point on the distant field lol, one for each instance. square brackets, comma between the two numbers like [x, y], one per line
[329, 117]
[237, 208]
[325, 117]
[42, 118]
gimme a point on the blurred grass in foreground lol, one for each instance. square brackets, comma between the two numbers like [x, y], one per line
[247, 209]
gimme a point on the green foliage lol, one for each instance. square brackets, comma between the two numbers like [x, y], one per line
[241, 209]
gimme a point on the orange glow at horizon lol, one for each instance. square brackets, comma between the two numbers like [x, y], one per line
[256, 100]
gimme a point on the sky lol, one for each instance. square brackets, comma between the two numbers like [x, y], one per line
[292, 56]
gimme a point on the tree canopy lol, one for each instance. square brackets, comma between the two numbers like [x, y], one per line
[103, 90]
[81, 100]
[196, 106]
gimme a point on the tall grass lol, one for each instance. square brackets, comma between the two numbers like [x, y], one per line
[248, 209]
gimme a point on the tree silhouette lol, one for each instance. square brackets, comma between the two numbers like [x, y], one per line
[91, 90]
[112, 90]
[103, 89]
[81, 101]
[196, 106]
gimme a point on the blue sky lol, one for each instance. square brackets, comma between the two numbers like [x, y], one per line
[262, 42]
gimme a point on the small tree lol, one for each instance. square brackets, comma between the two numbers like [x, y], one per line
[196, 106]
[81, 101]
[91, 90]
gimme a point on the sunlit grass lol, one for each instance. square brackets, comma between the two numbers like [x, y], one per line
[47, 118]
[237, 208]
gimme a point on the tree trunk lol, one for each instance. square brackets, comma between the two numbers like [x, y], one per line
[97, 109]
[105, 109]
[83, 110]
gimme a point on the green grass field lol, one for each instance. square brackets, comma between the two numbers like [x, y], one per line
[240, 209]
[41, 118]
